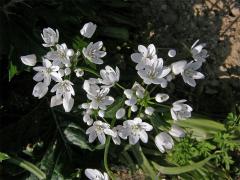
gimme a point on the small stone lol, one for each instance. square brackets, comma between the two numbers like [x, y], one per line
[223, 69]
[235, 11]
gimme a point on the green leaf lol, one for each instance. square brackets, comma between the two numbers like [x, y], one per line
[111, 112]
[12, 71]
[143, 161]
[182, 169]
[77, 136]
[27, 166]
[3, 156]
[115, 32]
[201, 128]
[79, 43]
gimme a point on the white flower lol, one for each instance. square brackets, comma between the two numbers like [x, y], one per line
[29, 60]
[199, 54]
[176, 131]
[164, 142]
[40, 90]
[188, 71]
[98, 130]
[87, 115]
[154, 73]
[172, 53]
[149, 110]
[94, 174]
[50, 37]
[64, 92]
[79, 72]
[109, 76]
[161, 97]
[120, 113]
[118, 131]
[136, 129]
[181, 111]
[93, 53]
[145, 55]
[137, 92]
[178, 67]
[190, 74]
[47, 72]
[88, 30]
[90, 86]
[99, 99]
[61, 56]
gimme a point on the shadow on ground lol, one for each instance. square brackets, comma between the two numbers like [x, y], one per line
[174, 24]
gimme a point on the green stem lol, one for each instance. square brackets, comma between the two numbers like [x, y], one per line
[129, 113]
[165, 106]
[61, 133]
[142, 161]
[120, 86]
[107, 144]
[90, 71]
[27, 166]
[153, 89]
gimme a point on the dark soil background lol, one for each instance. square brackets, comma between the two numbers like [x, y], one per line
[170, 24]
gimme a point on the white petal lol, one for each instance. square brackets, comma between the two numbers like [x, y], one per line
[101, 113]
[146, 126]
[40, 90]
[136, 57]
[93, 173]
[173, 114]
[92, 137]
[68, 103]
[55, 101]
[67, 71]
[133, 139]
[56, 76]
[134, 108]
[144, 136]
[120, 113]
[198, 75]
[88, 29]
[128, 93]
[176, 131]
[29, 60]
[178, 67]
[38, 77]
[101, 138]
[161, 97]
[149, 110]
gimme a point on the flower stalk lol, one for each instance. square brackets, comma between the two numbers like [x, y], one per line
[106, 150]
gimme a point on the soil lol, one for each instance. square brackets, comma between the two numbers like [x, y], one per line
[176, 24]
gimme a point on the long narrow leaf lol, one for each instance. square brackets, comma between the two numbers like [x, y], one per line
[27, 166]
[182, 169]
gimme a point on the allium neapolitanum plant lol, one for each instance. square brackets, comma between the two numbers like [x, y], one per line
[62, 68]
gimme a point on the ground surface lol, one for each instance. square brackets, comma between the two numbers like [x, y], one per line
[216, 22]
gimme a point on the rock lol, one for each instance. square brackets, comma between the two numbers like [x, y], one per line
[235, 11]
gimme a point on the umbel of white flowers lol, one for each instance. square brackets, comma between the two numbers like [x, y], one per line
[59, 63]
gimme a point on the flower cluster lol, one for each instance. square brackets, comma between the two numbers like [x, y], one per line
[133, 123]
[58, 64]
